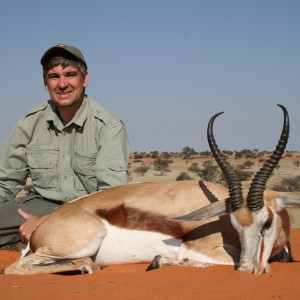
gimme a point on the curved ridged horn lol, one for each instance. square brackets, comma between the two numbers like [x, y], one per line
[255, 195]
[234, 183]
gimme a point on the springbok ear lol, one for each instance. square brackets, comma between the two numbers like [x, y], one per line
[292, 200]
[218, 208]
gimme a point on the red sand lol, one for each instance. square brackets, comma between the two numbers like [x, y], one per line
[132, 282]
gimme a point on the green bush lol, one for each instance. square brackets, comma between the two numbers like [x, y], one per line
[183, 176]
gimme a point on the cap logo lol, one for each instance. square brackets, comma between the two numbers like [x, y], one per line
[61, 45]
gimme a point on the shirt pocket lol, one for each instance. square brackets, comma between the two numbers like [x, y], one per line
[116, 164]
[43, 164]
[84, 166]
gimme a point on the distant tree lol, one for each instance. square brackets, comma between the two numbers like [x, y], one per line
[165, 155]
[227, 153]
[238, 155]
[154, 154]
[183, 176]
[205, 154]
[188, 152]
[209, 172]
[246, 153]
[161, 165]
[137, 155]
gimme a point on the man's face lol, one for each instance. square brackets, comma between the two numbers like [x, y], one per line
[66, 86]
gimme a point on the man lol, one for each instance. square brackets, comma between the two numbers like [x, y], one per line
[70, 146]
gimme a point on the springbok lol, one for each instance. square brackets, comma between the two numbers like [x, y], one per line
[152, 222]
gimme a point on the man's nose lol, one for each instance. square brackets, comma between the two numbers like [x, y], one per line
[63, 82]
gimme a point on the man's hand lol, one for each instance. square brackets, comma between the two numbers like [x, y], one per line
[31, 223]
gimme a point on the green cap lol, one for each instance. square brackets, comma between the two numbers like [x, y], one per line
[63, 50]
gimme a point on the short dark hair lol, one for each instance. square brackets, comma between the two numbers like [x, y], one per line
[64, 62]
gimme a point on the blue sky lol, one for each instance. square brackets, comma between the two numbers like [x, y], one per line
[165, 66]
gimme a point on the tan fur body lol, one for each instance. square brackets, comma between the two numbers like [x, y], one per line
[112, 226]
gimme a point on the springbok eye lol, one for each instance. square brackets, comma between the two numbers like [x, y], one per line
[267, 225]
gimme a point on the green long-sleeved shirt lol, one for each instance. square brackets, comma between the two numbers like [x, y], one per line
[65, 162]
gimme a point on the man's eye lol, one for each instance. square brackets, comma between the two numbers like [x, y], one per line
[50, 76]
[71, 74]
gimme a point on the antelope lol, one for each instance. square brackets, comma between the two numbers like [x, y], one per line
[188, 223]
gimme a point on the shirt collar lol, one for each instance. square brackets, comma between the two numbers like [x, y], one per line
[79, 118]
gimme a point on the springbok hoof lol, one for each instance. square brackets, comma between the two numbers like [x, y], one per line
[155, 264]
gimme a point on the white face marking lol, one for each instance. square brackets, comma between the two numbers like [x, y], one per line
[252, 237]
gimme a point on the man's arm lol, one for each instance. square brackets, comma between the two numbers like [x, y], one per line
[113, 157]
[13, 165]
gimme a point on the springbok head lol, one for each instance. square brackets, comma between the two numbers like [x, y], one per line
[254, 219]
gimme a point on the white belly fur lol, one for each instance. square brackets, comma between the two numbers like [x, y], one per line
[123, 246]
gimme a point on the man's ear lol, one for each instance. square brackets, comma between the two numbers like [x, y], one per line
[45, 84]
[86, 79]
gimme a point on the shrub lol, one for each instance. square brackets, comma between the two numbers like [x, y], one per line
[240, 173]
[154, 154]
[161, 165]
[141, 170]
[297, 163]
[194, 168]
[248, 164]
[165, 155]
[209, 172]
[288, 185]
[183, 176]
[243, 175]
[205, 154]
[137, 156]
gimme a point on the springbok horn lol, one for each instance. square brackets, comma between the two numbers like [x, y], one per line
[255, 195]
[234, 183]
